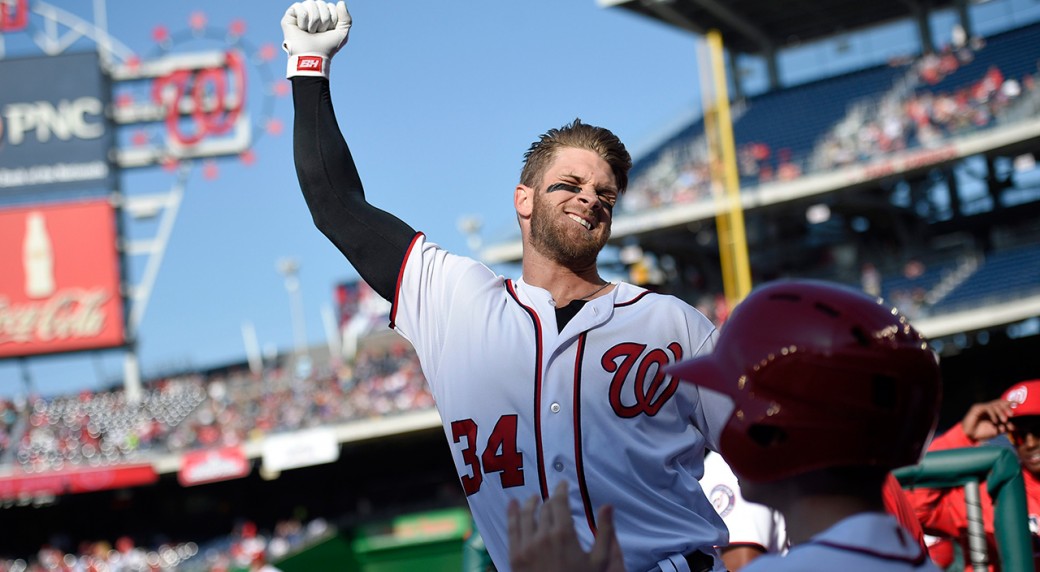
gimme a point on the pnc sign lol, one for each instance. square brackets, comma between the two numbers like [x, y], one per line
[54, 129]
[40, 121]
[59, 279]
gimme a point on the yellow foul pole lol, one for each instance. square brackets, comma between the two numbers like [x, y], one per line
[718, 127]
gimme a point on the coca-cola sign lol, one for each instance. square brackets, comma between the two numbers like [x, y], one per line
[59, 279]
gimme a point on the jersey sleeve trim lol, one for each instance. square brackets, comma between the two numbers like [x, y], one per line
[400, 277]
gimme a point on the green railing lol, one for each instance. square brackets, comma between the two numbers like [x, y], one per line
[1000, 469]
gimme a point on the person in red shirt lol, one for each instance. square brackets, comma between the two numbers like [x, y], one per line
[942, 512]
[897, 503]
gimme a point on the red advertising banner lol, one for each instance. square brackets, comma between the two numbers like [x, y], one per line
[212, 465]
[59, 279]
[75, 481]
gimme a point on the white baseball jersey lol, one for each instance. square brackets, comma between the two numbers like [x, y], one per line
[525, 407]
[750, 524]
[865, 542]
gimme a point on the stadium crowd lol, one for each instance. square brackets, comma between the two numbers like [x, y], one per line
[911, 115]
[245, 549]
[922, 118]
[193, 411]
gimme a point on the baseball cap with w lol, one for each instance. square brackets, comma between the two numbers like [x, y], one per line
[1024, 397]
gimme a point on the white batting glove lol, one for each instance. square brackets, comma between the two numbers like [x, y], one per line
[314, 31]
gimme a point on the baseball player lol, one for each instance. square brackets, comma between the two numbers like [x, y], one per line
[553, 377]
[1016, 414]
[754, 529]
[832, 389]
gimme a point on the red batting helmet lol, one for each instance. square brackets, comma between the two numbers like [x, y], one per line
[821, 375]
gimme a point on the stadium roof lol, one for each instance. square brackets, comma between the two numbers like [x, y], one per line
[759, 27]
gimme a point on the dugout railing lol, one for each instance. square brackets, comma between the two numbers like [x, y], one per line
[999, 468]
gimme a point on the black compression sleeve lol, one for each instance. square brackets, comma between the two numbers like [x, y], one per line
[373, 240]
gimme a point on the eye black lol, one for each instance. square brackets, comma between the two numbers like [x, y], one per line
[563, 187]
[608, 199]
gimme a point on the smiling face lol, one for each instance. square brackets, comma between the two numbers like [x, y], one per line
[571, 208]
[1026, 438]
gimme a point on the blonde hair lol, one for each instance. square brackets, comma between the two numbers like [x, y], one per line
[579, 135]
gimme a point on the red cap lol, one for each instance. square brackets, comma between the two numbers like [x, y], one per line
[1024, 397]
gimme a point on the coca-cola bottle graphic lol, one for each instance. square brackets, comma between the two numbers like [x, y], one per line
[38, 257]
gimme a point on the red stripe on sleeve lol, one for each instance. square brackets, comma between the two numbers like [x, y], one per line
[400, 278]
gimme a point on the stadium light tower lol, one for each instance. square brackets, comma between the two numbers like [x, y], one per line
[289, 268]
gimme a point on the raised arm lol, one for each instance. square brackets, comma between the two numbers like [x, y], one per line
[374, 241]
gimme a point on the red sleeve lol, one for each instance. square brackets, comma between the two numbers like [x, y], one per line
[898, 505]
[937, 509]
[953, 438]
[942, 552]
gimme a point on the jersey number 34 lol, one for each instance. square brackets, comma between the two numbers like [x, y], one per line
[500, 455]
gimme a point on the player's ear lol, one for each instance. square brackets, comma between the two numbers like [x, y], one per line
[523, 200]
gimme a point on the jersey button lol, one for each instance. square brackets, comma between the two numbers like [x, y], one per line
[555, 407]
[558, 466]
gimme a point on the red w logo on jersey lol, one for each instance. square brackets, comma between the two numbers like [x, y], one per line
[647, 393]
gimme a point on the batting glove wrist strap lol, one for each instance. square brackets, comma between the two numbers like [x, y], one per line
[314, 30]
[313, 65]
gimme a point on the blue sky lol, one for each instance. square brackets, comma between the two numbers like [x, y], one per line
[438, 99]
